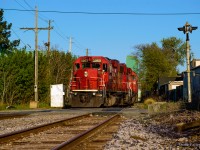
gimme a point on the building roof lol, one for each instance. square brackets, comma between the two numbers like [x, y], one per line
[166, 80]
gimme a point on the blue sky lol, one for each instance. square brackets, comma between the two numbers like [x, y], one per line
[113, 36]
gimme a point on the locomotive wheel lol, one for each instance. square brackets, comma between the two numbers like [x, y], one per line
[110, 100]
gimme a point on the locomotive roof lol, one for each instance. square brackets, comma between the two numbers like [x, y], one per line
[100, 57]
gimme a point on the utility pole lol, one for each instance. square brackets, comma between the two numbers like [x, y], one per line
[36, 49]
[48, 44]
[87, 52]
[186, 29]
[36, 55]
[70, 45]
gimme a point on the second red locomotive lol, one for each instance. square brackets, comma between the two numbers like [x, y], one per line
[100, 81]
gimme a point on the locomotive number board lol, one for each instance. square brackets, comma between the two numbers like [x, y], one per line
[93, 60]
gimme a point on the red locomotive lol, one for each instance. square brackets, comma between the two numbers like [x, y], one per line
[100, 81]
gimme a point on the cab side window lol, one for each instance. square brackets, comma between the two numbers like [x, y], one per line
[77, 66]
[105, 67]
[95, 65]
[121, 69]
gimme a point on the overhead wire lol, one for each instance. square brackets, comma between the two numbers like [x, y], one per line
[99, 13]
[108, 13]
[16, 34]
[42, 18]
[57, 29]
[78, 44]
[60, 33]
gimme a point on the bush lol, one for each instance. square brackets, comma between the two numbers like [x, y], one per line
[149, 101]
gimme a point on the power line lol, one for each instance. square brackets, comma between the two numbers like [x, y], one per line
[60, 32]
[16, 34]
[18, 37]
[42, 18]
[27, 4]
[107, 13]
[78, 44]
[61, 35]
[19, 4]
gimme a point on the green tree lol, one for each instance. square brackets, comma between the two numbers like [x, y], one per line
[175, 51]
[6, 45]
[156, 62]
[53, 69]
[17, 76]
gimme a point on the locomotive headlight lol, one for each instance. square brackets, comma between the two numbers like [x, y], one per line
[85, 73]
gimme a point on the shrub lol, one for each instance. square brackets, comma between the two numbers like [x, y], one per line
[149, 101]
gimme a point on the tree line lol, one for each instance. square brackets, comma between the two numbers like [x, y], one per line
[17, 69]
[17, 75]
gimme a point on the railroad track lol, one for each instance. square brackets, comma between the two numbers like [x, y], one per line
[65, 134]
[12, 115]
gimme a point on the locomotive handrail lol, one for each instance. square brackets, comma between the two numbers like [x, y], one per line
[99, 79]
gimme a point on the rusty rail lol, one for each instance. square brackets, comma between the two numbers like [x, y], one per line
[12, 115]
[79, 138]
[25, 132]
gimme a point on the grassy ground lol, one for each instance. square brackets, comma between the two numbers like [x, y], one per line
[150, 103]
[23, 106]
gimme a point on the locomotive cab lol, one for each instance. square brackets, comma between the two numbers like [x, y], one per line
[89, 81]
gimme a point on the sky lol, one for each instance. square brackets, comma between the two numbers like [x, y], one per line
[112, 28]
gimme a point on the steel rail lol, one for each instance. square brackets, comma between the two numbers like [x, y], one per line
[25, 132]
[80, 137]
[10, 116]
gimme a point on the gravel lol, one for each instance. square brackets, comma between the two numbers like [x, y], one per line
[137, 133]
[14, 124]
[156, 132]
[133, 135]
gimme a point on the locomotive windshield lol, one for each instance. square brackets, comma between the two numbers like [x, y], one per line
[90, 65]
[86, 65]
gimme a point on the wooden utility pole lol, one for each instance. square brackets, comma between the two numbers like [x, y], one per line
[36, 49]
[49, 29]
[36, 55]
[70, 45]
[87, 52]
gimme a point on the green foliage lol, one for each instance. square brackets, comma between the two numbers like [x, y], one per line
[175, 50]
[17, 75]
[156, 62]
[17, 70]
[6, 46]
